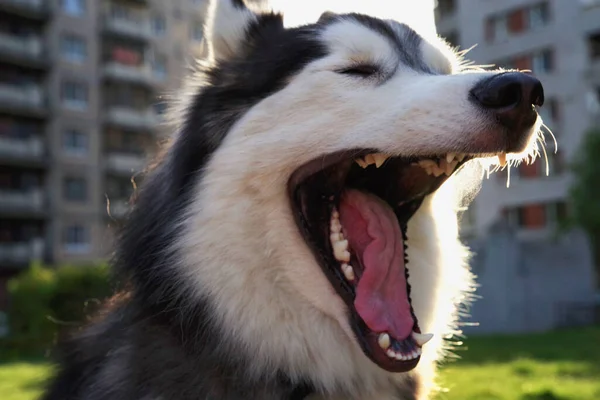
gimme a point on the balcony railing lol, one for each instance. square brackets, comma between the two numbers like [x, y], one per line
[129, 118]
[136, 29]
[30, 47]
[28, 97]
[20, 201]
[32, 148]
[21, 253]
[123, 163]
[37, 9]
[134, 74]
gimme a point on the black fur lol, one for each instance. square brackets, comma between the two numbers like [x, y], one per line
[152, 342]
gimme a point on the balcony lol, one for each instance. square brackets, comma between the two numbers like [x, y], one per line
[29, 152]
[23, 51]
[131, 119]
[140, 75]
[21, 254]
[124, 163]
[22, 203]
[37, 10]
[130, 28]
[24, 100]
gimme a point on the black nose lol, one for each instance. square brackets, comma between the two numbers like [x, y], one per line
[510, 96]
[509, 90]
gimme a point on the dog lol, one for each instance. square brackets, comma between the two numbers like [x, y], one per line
[297, 238]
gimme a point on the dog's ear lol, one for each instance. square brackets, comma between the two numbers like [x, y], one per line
[227, 26]
[327, 16]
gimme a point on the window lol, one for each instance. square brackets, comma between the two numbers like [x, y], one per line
[197, 32]
[159, 67]
[73, 48]
[496, 28]
[75, 142]
[159, 26]
[542, 62]
[75, 189]
[76, 239]
[74, 7]
[536, 216]
[538, 16]
[75, 95]
[594, 46]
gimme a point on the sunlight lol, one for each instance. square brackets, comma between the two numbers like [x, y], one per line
[417, 14]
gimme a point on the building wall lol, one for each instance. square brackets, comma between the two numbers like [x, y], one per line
[569, 85]
[177, 46]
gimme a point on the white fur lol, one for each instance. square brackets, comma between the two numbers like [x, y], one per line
[270, 293]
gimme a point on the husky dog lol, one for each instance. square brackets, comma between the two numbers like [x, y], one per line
[269, 250]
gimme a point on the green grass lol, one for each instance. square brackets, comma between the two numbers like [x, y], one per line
[562, 365]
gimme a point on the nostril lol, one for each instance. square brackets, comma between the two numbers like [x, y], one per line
[537, 95]
[505, 96]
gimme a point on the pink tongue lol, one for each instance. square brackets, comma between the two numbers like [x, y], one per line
[374, 235]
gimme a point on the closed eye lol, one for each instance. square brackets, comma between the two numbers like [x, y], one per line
[360, 70]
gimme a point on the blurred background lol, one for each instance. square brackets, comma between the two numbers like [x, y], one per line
[83, 85]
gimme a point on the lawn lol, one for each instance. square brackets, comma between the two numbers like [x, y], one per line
[561, 365]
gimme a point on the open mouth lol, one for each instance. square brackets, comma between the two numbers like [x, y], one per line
[352, 209]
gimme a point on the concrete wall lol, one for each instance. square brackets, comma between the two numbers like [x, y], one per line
[524, 285]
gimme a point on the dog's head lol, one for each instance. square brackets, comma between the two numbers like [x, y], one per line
[304, 157]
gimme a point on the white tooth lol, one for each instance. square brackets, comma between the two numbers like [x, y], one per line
[502, 159]
[399, 356]
[335, 214]
[450, 167]
[340, 249]
[460, 157]
[379, 159]
[414, 355]
[390, 353]
[418, 351]
[384, 340]
[437, 172]
[450, 157]
[335, 226]
[422, 338]
[427, 163]
[348, 272]
[370, 159]
[361, 162]
[335, 237]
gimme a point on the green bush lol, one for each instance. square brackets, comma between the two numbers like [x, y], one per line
[46, 302]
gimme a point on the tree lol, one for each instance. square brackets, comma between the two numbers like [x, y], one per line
[585, 192]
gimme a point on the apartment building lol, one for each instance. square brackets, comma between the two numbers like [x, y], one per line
[559, 41]
[80, 109]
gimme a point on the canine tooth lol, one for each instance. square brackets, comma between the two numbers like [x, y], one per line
[460, 157]
[502, 159]
[379, 159]
[384, 341]
[450, 167]
[422, 338]
[450, 157]
[361, 162]
[370, 159]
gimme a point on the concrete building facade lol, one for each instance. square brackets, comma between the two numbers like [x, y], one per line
[559, 41]
[80, 109]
